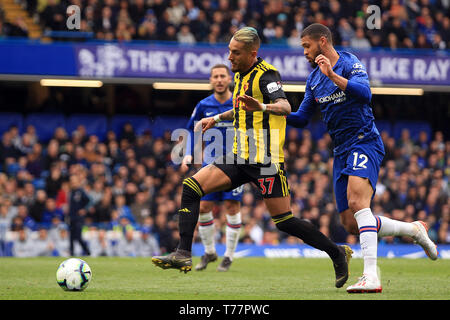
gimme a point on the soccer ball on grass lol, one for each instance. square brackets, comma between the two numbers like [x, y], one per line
[73, 275]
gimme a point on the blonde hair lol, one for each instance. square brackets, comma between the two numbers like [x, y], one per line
[249, 36]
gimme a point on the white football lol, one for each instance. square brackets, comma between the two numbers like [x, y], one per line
[73, 275]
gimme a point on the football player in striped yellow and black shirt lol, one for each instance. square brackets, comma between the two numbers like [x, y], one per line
[259, 135]
[259, 115]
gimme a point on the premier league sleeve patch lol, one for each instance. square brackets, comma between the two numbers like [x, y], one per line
[274, 86]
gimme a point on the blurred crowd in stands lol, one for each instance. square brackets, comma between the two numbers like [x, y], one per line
[135, 190]
[403, 23]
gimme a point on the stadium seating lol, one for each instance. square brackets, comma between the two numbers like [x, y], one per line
[95, 124]
[414, 127]
[198, 22]
[163, 179]
[99, 124]
[170, 124]
[45, 124]
[139, 123]
[8, 119]
[383, 125]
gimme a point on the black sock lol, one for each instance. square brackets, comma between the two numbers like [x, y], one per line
[188, 214]
[306, 231]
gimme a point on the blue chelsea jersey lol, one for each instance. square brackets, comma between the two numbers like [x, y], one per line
[209, 107]
[348, 117]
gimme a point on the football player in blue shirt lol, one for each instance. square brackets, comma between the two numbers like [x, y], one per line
[217, 103]
[339, 86]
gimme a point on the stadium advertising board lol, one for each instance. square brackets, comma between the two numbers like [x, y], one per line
[407, 251]
[110, 60]
[196, 62]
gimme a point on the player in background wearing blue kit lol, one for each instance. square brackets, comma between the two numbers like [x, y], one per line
[220, 101]
[339, 86]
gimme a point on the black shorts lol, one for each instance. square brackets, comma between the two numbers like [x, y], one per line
[270, 179]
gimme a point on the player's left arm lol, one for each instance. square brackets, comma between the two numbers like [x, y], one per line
[280, 106]
[300, 118]
[357, 83]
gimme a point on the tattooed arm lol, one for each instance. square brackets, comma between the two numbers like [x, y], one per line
[281, 107]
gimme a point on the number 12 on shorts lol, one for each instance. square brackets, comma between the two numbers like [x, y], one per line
[359, 161]
[263, 182]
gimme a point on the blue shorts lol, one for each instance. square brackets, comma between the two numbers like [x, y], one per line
[235, 194]
[362, 159]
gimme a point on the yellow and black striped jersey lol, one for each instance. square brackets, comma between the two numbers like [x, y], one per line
[258, 136]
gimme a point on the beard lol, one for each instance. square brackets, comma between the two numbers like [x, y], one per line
[234, 68]
[313, 62]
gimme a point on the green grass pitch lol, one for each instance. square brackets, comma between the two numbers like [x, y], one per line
[248, 279]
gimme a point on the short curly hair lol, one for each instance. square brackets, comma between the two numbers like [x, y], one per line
[317, 30]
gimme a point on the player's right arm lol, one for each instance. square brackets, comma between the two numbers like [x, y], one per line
[300, 118]
[197, 114]
[207, 123]
[355, 84]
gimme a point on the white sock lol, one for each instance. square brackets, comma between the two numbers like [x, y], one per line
[368, 239]
[232, 233]
[206, 231]
[390, 227]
